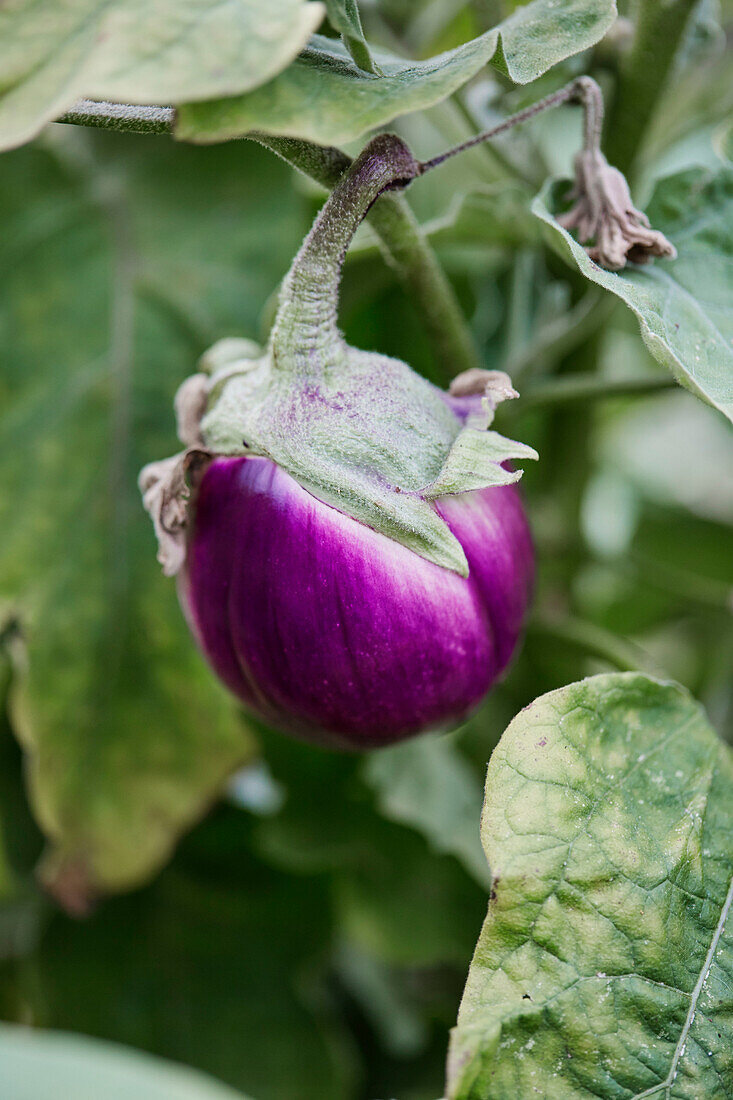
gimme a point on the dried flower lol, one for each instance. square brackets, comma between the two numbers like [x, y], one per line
[605, 215]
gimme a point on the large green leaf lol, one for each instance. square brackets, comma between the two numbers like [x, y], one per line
[137, 52]
[604, 967]
[110, 291]
[44, 1065]
[538, 35]
[324, 97]
[684, 306]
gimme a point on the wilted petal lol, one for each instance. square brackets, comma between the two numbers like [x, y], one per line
[166, 488]
[605, 215]
[474, 395]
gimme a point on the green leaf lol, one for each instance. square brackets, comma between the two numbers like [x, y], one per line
[603, 968]
[684, 306]
[343, 15]
[52, 54]
[106, 305]
[538, 35]
[44, 1065]
[324, 97]
[474, 461]
[428, 785]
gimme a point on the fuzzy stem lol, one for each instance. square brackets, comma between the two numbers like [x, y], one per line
[124, 117]
[643, 75]
[308, 308]
[405, 249]
[324, 164]
[584, 90]
[307, 313]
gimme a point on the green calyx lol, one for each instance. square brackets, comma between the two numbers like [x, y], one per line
[361, 431]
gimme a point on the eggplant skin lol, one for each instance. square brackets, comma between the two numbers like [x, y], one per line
[337, 634]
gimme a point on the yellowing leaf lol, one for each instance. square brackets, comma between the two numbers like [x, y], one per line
[603, 967]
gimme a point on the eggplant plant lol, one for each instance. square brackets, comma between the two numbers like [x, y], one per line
[439, 298]
[362, 573]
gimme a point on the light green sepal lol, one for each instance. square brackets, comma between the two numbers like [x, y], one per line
[474, 462]
[370, 437]
[404, 517]
[375, 473]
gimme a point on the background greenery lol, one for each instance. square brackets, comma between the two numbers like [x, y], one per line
[311, 933]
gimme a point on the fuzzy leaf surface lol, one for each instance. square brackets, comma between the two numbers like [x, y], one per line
[475, 461]
[159, 52]
[604, 966]
[325, 97]
[684, 306]
[128, 735]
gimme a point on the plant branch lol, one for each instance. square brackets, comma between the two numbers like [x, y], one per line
[603, 213]
[403, 243]
[584, 90]
[395, 224]
[125, 117]
[308, 304]
[643, 75]
[607, 222]
[499, 159]
[405, 249]
[591, 387]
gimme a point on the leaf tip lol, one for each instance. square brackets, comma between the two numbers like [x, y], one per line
[68, 881]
